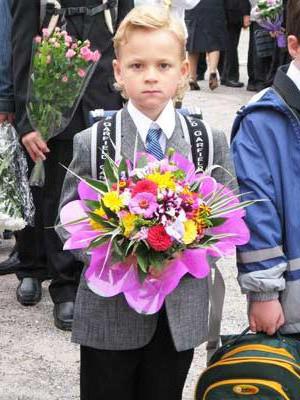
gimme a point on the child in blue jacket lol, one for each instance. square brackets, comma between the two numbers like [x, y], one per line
[266, 151]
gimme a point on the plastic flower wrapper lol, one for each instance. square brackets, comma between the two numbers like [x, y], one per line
[60, 71]
[269, 15]
[148, 225]
[16, 204]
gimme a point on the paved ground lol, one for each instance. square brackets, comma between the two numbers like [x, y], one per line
[37, 361]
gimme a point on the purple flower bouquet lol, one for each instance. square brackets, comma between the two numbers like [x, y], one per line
[148, 225]
[269, 15]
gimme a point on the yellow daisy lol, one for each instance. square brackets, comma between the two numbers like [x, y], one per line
[113, 201]
[163, 181]
[190, 232]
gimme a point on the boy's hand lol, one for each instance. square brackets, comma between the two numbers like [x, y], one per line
[9, 117]
[246, 21]
[35, 146]
[266, 316]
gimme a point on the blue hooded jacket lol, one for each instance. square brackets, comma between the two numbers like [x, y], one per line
[266, 153]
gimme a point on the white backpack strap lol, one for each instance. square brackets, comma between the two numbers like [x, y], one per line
[94, 150]
[118, 135]
[54, 19]
[216, 286]
[211, 144]
[186, 133]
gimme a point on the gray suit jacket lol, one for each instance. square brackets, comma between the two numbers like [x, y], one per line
[109, 323]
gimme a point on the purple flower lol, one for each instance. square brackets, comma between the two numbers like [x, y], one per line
[143, 204]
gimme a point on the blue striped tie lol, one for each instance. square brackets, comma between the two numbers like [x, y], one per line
[152, 143]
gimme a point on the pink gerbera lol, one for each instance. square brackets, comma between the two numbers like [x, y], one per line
[145, 186]
[143, 204]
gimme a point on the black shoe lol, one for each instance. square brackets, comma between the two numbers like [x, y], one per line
[213, 81]
[234, 84]
[29, 291]
[63, 315]
[11, 265]
[251, 87]
[194, 85]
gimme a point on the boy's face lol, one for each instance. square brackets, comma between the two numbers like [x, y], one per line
[149, 67]
[294, 49]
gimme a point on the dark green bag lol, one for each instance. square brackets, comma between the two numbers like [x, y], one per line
[252, 367]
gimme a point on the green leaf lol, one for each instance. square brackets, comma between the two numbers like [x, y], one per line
[217, 221]
[118, 248]
[103, 222]
[157, 260]
[92, 204]
[109, 172]
[142, 162]
[142, 275]
[98, 242]
[98, 185]
[123, 167]
[110, 214]
[142, 257]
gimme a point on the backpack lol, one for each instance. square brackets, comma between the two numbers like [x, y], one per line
[252, 367]
[51, 11]
[106, 139]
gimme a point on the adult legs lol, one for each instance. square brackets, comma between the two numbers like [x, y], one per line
[64, 268]
[213, 58]
[193, 60]
[230, 73]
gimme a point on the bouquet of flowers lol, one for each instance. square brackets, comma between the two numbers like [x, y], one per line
[60, 71]
[148, 225]
[269, 15]
[16, 204]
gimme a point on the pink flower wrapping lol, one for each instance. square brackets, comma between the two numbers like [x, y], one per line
[206, 220]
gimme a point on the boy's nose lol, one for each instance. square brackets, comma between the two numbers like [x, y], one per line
[151, 75]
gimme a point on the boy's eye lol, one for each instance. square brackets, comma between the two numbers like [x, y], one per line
[136, 66]
[164, 66]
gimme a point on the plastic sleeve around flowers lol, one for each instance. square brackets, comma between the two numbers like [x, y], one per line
[16, 203]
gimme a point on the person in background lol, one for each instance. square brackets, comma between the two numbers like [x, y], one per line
[266, 152]
[237, 17]
[42, 247]
[258, 65]
[206, 25]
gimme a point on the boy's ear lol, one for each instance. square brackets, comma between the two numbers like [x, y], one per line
[185, 68]
[294, 47]
[117, 71]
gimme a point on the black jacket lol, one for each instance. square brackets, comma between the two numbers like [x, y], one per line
[236, 9]
[99, 93]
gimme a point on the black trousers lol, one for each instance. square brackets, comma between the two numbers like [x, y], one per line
[154, 372]
[39, 247]
[230, 68]
[258, 67]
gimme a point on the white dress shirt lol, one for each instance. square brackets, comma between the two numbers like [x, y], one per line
[165, 121]
[294, 74]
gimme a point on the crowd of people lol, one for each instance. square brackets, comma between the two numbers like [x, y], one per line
[265, 152]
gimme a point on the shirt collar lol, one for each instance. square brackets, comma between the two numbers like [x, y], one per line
[294, 74]
[165, 121]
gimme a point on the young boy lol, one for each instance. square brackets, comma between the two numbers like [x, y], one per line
[126, 355]
[266, 150]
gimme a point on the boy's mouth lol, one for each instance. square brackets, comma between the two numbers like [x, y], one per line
[151, 91]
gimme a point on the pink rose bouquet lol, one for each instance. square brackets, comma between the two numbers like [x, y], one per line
[60, 71]
[148, 225]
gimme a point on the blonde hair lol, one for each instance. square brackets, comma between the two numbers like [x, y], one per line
[152, 18]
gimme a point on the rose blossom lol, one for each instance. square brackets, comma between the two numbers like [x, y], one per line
[86, 53]
[70, 53]
[64, 79]
[96, 56]
[46, 33]
[38, 39]
[81, 72]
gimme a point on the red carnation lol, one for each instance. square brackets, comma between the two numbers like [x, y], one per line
[145, 186]
[158, 238]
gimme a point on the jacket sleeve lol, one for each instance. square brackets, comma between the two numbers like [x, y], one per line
[25, 26]
[261, 262]
[81, 166]
[6, 87]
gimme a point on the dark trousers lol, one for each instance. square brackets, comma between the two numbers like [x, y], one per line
[40, 247]
[154, 372]
[258, 67]
[230, 68]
